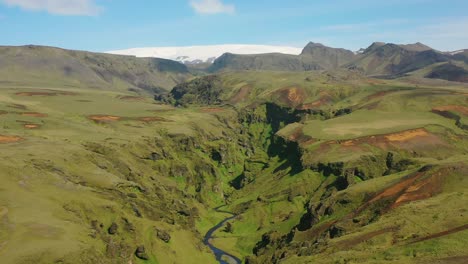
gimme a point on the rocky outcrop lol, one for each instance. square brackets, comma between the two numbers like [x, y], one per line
[140, 253]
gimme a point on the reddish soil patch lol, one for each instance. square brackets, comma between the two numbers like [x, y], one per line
[291, 96]
[150, 119]
[406, 135]
[420, 190]
[31, 126]
[104, 118]
[241, 95]
[212, 110]
[49, 93]
[414, 187]
[316, 104]
[407, 139]
[33, 114]
[325, 99]
[131, 98]
[397, 188]
[441, 234]
[454, 108]
[9, 139]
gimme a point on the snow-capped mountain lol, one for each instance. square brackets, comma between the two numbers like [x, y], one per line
[457, 52]
[204, 54]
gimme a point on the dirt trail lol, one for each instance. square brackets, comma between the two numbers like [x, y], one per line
[104, 118]
[352, 242]
[441, 234]
[34, 114]
[49, 93]
[9, 139]
[150, 119]
[132, 98]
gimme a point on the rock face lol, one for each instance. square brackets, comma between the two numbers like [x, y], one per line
[163, 235]
[113, 229]
[141, 253]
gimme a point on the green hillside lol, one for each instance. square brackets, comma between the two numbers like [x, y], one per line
[58, 68]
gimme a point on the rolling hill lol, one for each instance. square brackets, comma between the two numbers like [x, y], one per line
[52, 67]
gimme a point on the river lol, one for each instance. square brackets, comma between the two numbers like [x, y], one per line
[221, 256]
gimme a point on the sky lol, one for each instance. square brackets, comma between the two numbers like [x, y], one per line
[103, 25]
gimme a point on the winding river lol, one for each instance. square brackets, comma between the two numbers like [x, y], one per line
[221, 256]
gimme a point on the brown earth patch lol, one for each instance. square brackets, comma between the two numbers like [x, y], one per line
[291, 96]
[455, 108]
[441, 234]
[160, 110]
[452, 260]
[31, 126]
[211, 110]
[414, 187]
[406, 139]
[352, 242]
[34, 114]
[49, 93]
[150, 119]
[18, 106]
[406, 135]
[421, 189]
[131, 98]
[325, 98]
[298, 136]
[84, 101]
[315, 104]
[9, 139]
[241, 95]
[393, 191]
[104, 118]
[371, 106]
[379, 95]
[3, 112]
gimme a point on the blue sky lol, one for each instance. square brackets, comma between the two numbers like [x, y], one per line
[101, 25]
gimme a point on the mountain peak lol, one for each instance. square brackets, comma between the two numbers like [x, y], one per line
[418, 46]
[374, 46]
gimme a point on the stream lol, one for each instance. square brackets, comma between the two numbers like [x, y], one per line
[221, 256]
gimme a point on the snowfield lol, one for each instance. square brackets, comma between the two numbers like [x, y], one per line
[202, 54]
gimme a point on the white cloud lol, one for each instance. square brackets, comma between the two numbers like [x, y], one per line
[59, 7]
[212, 7]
